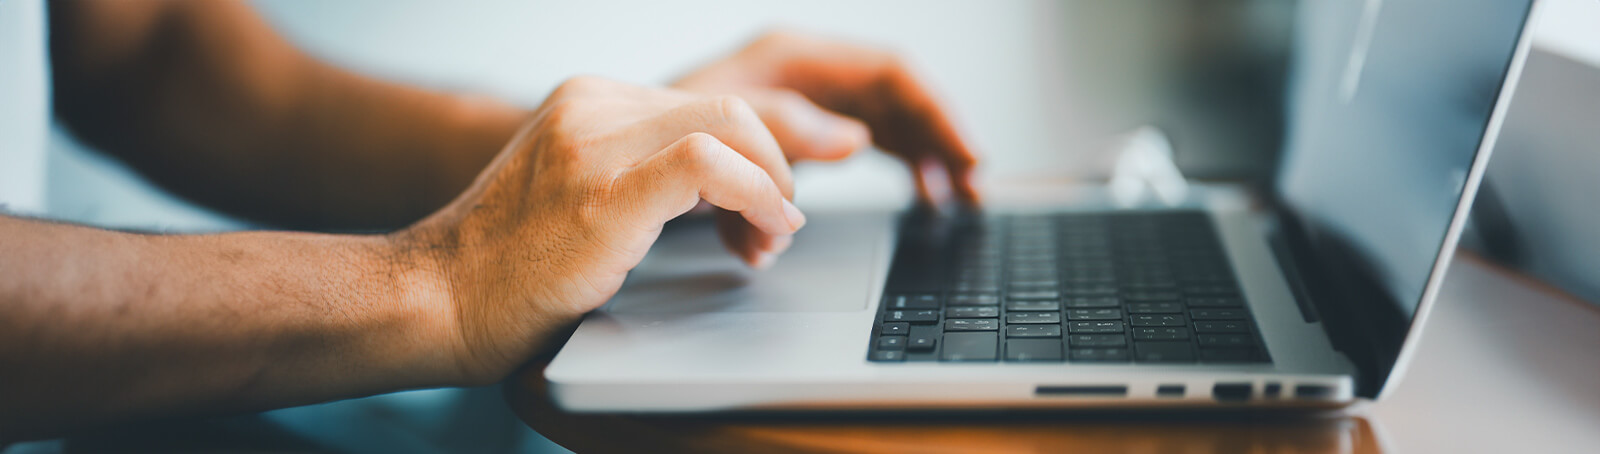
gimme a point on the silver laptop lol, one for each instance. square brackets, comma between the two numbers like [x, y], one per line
[1393, 108]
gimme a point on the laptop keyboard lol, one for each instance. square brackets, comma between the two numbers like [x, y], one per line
[1117, 287]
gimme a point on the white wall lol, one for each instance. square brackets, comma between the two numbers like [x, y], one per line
[995, 62]
[1570, 28]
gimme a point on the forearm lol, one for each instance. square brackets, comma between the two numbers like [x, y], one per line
[99, 326]
[207, 100]
[355, 153]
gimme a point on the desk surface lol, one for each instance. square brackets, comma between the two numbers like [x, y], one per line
[1507, 365]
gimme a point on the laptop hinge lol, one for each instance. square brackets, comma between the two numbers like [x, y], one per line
[1333, 289]
[1277, 240]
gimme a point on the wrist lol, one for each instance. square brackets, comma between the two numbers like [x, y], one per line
[425, 302]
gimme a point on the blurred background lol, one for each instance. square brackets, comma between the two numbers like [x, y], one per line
[1042, 88]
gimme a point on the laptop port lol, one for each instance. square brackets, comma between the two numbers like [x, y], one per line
[1231, 392]
[1084, 391]
[1272, 390]
[1169, 391]
[1313, 391]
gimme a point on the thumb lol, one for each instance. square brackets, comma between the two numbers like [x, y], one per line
[806, 131]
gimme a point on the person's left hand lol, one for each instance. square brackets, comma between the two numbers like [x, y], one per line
[824, 99]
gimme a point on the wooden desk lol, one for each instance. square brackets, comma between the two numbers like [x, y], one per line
[1507, 365]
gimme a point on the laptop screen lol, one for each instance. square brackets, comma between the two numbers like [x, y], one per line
[1388, 103]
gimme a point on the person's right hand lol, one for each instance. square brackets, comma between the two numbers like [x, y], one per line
[551, 228]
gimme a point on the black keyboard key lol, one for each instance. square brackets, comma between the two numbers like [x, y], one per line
[915, 301]
[923, 316]
[1219, 314]
[1032, 271]
[1227, 355]
[1150, 296]
[1091, 302]
[1148, 286]
[1033, 331]
[1036, 261]
[1041, 249]
[1033, 305]
[1094, 327]
[1034, 295]
[896, 329]
[1163, 352]
[1221, 327]
[1155, 308]
[988, 272]
[1033, 350]
[1025, 275]
[1033, 317]
[1094, 314]
[985, 265]
[973, 299]
[888, 355]
[978, 279]
[891, 342]
[1034, 285]
[1216, 290]
[972, 312]
[970, 347]
[1158, 320]
[978, 276]
[921, 342]
[1099, 354]
[977, 287]
[1161, 334]
[1097, 340]
[1226, 340]
[1198, 279]
[1211, 301]
[1090, 290]
[974, 324]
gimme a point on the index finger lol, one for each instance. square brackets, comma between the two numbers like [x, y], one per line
[920, 112]
[877, 87]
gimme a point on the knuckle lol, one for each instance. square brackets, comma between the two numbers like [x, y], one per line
[604, 191]
[559, 109]
[577, 85]
[700, 152]
[565, 112]
[557, 128]
[699, 140]
[582, 82]
[731, 109]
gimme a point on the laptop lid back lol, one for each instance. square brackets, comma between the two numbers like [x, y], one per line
[1393, 108]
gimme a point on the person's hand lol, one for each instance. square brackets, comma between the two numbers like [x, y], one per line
[821, 97]
[553, 225]
[825, 99]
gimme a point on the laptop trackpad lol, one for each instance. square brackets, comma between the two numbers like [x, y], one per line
[835, 264]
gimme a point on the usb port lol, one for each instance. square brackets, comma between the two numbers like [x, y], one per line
[1231, 392]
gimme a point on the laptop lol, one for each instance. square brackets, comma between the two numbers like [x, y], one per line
[1315, 301]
